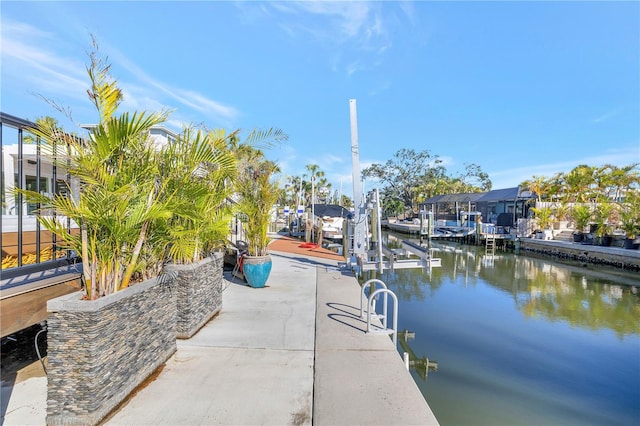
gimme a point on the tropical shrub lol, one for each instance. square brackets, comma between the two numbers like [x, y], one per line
[630, 214]
[581, 214]
[121, 192]
[602, 213]
[544, 216]
[200, 169]
[257, 194]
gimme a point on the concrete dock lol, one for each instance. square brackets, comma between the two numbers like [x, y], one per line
[294, 352]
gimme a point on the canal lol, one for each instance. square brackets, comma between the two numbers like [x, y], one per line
[520, 340]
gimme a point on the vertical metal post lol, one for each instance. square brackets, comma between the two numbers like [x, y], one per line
[378, 227]
[20, 185]
[39, 205]
[355, 154]
[313, 209]
[359, 246]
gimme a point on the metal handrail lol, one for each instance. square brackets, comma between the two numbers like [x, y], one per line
[385, 329]
[363, 296]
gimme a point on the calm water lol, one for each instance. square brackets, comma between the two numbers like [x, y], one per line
[520, 340]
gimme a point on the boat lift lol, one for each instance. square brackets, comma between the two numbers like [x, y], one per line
[364, 247]
[365, 250]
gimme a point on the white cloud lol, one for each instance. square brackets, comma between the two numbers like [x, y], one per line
[358, 27]
[27, 55]
[189, 98]
[606, 116]
[35, 57]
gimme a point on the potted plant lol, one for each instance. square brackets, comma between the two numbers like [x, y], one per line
[200, 170]
[544, 218]
[560, 213]
[581, 214]
[257, 194]
[630, 222]
[107, 339]
[603, 229]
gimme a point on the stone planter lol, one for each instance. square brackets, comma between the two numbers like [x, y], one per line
[99, 351]
[198, 289]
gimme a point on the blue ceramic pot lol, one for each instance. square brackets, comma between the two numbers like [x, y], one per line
[256, 270]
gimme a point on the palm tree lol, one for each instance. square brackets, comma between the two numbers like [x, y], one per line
[122, 192]
[623, 180]
[201, 169]
[538, 185]
[315, 173]
[579, 182]
[257, 194]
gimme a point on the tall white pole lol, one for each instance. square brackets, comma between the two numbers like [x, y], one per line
[359, 244]
[313, 208]
[355, 154]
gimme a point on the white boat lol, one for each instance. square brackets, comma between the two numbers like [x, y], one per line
[333, 217]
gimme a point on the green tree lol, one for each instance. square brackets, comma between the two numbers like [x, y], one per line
[346, 201]
[578, 183]
[200, 170]
[413, 176]
[257, 194]
[474, 179]
[538, 185]
[315, 174]
[402, 176]
[122, 192]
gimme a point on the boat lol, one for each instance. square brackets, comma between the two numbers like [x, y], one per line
[332, 216]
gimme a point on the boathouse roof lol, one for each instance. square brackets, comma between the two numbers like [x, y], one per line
[506, 194]
[453, 198]
[331, 210]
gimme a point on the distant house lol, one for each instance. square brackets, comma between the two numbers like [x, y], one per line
[24, 166]
[509, 204]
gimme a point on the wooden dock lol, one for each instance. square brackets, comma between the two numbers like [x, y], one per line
[459, 234]
[23, 300]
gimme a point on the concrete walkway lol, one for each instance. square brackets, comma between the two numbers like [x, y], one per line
[360, 379]
[292, 353]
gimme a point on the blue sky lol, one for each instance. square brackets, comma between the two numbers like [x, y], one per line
[519, 88]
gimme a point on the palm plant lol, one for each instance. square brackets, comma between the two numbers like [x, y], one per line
[200, 170]
[257, 194]
[544, 216]
[121, 191]
[561, 211]
[630, 214]
[581, 214]
[630, 222]
[602, 213]
[538, 185]
[579, 183]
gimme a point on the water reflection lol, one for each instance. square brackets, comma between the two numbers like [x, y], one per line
[421, 365]
[521, 340]
[583, 298]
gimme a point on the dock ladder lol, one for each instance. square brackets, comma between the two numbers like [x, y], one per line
[375, 283]
[371, 301]
[490, 244]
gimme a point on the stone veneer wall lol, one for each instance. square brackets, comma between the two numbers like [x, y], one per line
[199, 293]
[99, 351]
[614, 257]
